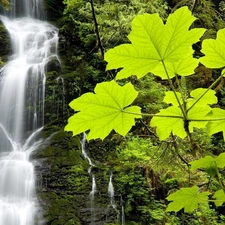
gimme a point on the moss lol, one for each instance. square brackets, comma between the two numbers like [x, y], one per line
[4, 44]
[61, 209]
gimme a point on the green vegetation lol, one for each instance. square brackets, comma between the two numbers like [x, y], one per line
[173, 146]
[164, 50]
[5, 4]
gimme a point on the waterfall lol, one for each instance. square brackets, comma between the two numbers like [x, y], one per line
[93, 189]
[22, 90]
[83, 142]
[92, 196]
[122, 216]
[122, 211]
[111, 190]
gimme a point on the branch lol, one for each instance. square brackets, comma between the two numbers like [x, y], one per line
[195, 2]
[96, 28]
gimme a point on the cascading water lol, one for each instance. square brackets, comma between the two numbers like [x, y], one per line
[92, 196]
[122, 211]
[111, 191]
[93, 188]
[22, 88]
[83, 142]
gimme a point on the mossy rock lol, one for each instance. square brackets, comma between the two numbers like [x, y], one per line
[5, 45]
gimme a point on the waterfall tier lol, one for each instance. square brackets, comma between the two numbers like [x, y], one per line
[22, 92]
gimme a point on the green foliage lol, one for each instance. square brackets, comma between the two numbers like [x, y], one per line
[5, 4]
[220, 197]
[136, 151]
[208, 162]
[156, 46]
[165, 50]
[172, 119]
[104, 111]
[187, 198]
[219, 122]
[167, 121]
[214, 51]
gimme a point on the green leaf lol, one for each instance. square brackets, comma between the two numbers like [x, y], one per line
[220, 160]
[220, 197]
[187, 198]
[218, 115]
[208, 163]
[205, 162]
[155, 45]
[171, 98]
[214, 50]
[169, 121]
[198, 107]
[197, 113]
[104, 111]
[203, 97]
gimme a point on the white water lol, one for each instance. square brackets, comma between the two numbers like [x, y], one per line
[92, 196]
[22, 88]
[93, 187]
[111, 190]
[83, 142]
[123, 216]
[93, 190]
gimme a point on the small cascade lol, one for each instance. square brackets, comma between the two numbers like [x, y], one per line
[111, 191]
[83, 143]
[122, 216]
[122, 212]
[93, 189]
[92, 197]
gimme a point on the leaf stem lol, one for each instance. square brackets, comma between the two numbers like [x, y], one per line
[174, 91]
[218, 177]
[171, 116]
[207, 120]
[151, 115]
[209, 88]
[182, 93]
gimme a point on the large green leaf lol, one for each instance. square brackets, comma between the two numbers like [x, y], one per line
[220, 197]
[217, 122]
[106, 110]
[220, 160]
[209, 163]
[196, 114]
[202, 97]
[214, 50]
[187, 198]
[155, 45]
[169, 121]
[171, 98]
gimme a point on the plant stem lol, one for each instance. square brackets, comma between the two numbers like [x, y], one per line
[209, 88]
[96, 28]
[218, 177]
[194, 6]
[174, 91]
[151, 115]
